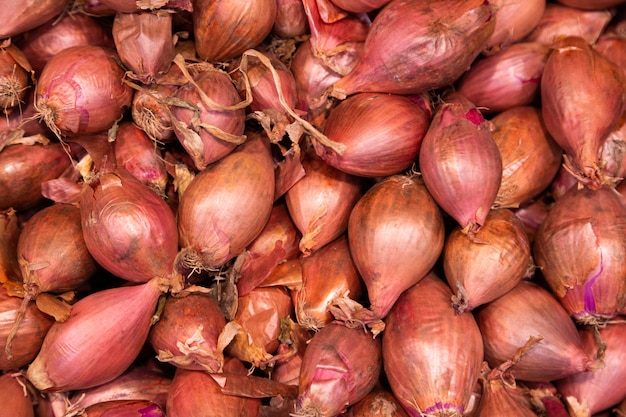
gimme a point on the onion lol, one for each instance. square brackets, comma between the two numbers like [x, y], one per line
[376, 134]
[151, 114]
[530, 157]
[613, 45]
[23, 122]
[10, 230]
[196, 393]
[396, 235]
[99, 341]
[562, 183]
[14, 77]
[587, 393]
[481, 268]
[293, 338]
[16, 400]
[69, 29]
[514, 20]
[532, 214]
[546, 399]
[144, 42]
[426, 339]
[339, 368]
[360, 6]
[579, 133]
[591, 4]
[80, 91]
[224, 29]
[321, 202]
[507, 79]
[501, 397]
[529, 312]
[24, 15]
[24, 167]
[125, 408]
[403, 52]
[613, 153]
[380, 402]
[591, 288]
[460, 162]
[187, 333]
[290, 20]
[326, 274]
[131, 6]
[226, 206]
[129, 230]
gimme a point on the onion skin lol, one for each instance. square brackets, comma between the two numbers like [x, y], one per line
[339, 368]
[514, 20]
[290, 20]
[592, 222]
[482, 268]
[532, 214]
[151, 115]
[224, 29]
[125, 408]
[588, 393]
[15, 398]
[460, 162]
[378, 403]
[77, 355]
[500, 398]
[530, 311]
[80, 91]
[321, 202]
[129, 230]
[375, 143]
[425, 339]
[530, 157]
[403, 53]
[24, 15]
[226, 206]
[15, 71]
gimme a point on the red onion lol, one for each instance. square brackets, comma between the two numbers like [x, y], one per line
[226, 206]
[402, 53]
[69, 29]
[128, 228]
[224, 29]
[613, 153]
[591, 4]
[360, 6]
[530, 157]
[587, 393]
[151, 114]
[290, 20]
[593, 222]
[507, 79]
[124, 408]
[24, 15]
[613, 45]
[501, 397]
[375, 134]
[340, 366]
[14, 77]
[10, 230]
[514, 20]
[579, 133]
[546, 399]
[80, 91]
[144, 42]
[562, 183]
[460, 162]
[23, 122]
[15, 398]
[481, 268]
[99, 341]
[532, 214]
[380, 402]
[529, 312]
[396, 235]
[426, 339]
[293, 338]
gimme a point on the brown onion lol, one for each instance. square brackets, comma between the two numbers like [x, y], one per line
[321, 202]
[507, 79]
[396, 235]
[69, 29]
[613, 45]
[224, 29]
[290, 20]
[151, 114]
[514, 20]
[14, 77]
[104, 334]
[590, 222]
[124, 408]
[380, 402]
[402, 53]
[501, 397]
[187, 333]
[376, 134]
[577, 131]
[23, 122]
[481, 268]
[24, 15]
[530, 157]
[340, 366]
[144, 42]
[530, 312]
[460, 162]
[129, 230]
[15, 398]
[80, 91]
[10, 229]
[426, 339]
[226, 206]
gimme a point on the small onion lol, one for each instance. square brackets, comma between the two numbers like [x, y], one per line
[24, 15]
[532, 214]
[613, 153]
[360, 6]
[514, 20]
[291, 20]
[500, 398]
[131, 6]
[530, 312]
[380, 402]
[426, 339]
[10, 229]
[150, 114]
[23, 122]
[124, 408]
[591, 4]
[14, 77]
[15, 398]
[562, 183]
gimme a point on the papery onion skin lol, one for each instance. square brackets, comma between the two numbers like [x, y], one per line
[380, 402]
[104, 334]
[80, 91]
[128, 228]
[15, 71]
[530, 311]
[125, 408]
[413, 48]
[530, 157]
[381, 134]
[16, 400]
[340, 366]
[593, 223]
[432, 355]
[514, 20]
[460, 162]
[25, 15]
[10, 229]
[226, 206]
[290, 19]
[500, 398]
[151, 115]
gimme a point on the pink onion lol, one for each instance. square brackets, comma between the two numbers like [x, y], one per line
[150, 113]
[10, 229]
[24, 15]
[426, 339]
[460, 162]
[380, 402]
[290, 20]
[15, 71]
[514, 20]
[591, 4]
[16, 400]
[360, 6]
[501, 397]
[125, 408]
